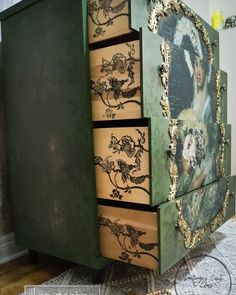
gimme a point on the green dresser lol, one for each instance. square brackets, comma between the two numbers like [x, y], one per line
[117, 134]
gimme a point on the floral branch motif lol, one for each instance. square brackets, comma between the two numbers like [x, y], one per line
[120, 171]
[114, 88]
[128, 238]
[100, 14]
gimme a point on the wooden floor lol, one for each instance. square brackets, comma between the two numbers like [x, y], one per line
[16, 274]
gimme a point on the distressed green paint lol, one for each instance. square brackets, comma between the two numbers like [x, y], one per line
[224, 95]
[227, 153]
[49, 129]
[171, 239]
[160, 162]
[152, 90]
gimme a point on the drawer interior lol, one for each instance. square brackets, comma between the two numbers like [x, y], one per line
[107, 20]
[128, 235]
[115, 81]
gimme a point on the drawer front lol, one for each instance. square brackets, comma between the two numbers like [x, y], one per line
[129, 236]
[185, 222]
[107, 19]
[173, 81]
[115, 82]
[150, 165]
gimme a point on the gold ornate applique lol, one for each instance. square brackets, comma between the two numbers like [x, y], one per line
[218, 96]
[192, 238]
[164, 74]
[220, 217]
[222, 155]
[163, 8]
[173, 130]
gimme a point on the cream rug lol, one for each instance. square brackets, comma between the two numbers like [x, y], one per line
[208, 270]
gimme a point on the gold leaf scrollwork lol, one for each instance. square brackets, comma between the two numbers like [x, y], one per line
[164, 74]
[218, 96]
[219, 219]
[173, 130]
[222, 155]
[192, 238]
[163, 8]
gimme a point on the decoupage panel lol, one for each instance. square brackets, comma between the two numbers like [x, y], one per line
[191, 218]
[175, 80]
[192, 85]
[177, 23]
[200, 154]
[187, 154]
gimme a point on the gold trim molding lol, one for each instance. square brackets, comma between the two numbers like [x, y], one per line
[164, 74]
[222, 156]
[218, 96]
[163, 8]
[173, 130]
[192, 238]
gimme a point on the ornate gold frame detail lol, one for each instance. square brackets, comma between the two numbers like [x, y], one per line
[173, 130]
[164, 74]
[222, 156]
[165, 7]
[218, 96]
[192, 238]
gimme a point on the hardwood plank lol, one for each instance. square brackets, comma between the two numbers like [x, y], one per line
[16, 274]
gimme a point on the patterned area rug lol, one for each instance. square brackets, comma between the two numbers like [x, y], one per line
[209, 270]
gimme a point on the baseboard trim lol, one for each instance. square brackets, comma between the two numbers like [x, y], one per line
[8, 248]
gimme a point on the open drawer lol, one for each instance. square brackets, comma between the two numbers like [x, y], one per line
[150, 77]
[159, 239]
[158, 162]
[172, 20]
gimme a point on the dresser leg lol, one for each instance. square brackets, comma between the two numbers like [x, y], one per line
[98, 275]
[33, 256]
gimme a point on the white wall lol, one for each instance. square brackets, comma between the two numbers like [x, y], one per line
[228, 64]
[201, 7]
[228, 7]
[4, 4]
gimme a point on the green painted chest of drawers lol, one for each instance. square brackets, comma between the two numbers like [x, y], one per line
[118, 145]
